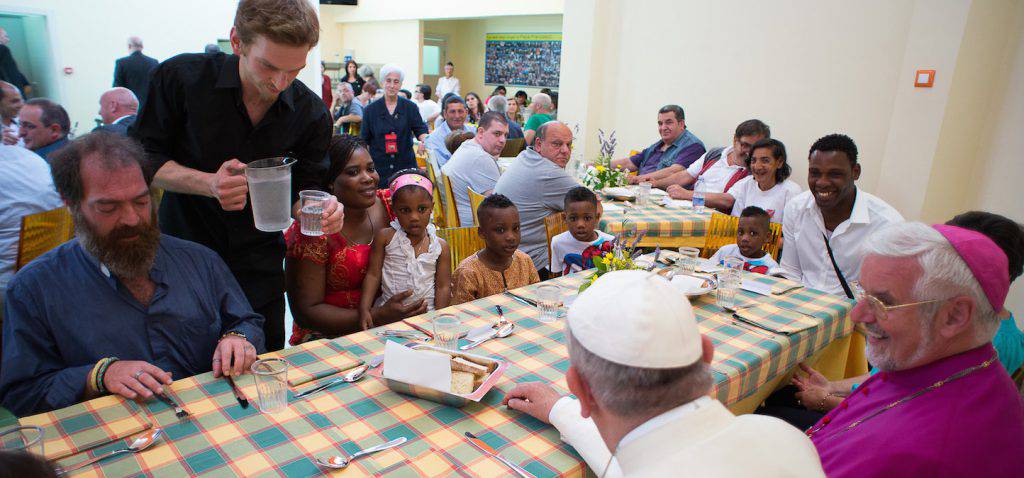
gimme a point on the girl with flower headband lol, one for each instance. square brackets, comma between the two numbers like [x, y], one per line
[408, 256]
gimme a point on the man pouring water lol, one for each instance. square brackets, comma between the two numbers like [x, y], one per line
[231, 137]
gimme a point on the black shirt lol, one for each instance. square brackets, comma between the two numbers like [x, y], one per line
[195, 116]
[406, 123]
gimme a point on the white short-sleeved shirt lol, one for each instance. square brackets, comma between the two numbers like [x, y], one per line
[446, 85]
[805, 257]
[26, 187]
[762, 265]
[567, 252]
[718, 175]
[773, 201]
[428, 108]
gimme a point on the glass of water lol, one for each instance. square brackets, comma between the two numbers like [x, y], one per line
[446, 331]
[728, 284]
[271, 384]
[27, 438]
[549, 298]
[688, 261]
[311, 211]
[643, 194]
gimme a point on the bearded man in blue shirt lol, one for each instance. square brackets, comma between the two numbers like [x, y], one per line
[120, 309]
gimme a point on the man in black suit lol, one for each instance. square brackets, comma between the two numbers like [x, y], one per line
[117, 108]
[133, 71]
[9, 71]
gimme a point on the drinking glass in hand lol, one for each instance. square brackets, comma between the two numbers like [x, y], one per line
[27, 438]
[549, 298]
[271, 384]
[446, 331]
[311, 210]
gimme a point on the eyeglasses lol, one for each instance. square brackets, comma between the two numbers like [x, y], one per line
[881, 311]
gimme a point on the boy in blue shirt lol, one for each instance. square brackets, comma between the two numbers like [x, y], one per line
[750, 238]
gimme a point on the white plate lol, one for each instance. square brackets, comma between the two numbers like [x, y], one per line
[691, 286]
[619, 192]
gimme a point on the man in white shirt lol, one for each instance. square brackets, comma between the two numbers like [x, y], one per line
[11, 102]
[26, 187]
[429, 109]
[454, 111]
[719, 168]
[473, 165]
[448, 83]
[834, 214]
[642, 408]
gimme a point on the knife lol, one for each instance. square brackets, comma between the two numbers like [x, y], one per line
[238, 392]
[484, 447]
[522, 299]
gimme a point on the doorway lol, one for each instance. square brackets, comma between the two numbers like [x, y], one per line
[30, 47]
[435, 55]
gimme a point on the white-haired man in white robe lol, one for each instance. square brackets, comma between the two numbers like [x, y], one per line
[641, 374]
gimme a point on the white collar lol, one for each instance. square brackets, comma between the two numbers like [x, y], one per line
[118, 120]
[667, 417]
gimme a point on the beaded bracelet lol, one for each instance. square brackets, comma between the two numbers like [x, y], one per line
[236, 334]
[101, 374]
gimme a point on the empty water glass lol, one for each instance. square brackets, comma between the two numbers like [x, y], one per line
[311, 212]
[687, 263]
[446, 331]
[643, 194]
[27, 438]
[728, 284]
[271, 384]
[549, 298]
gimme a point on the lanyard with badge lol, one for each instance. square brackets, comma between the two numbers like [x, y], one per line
[391, 143]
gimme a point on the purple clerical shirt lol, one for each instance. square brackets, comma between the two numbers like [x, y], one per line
[971, 426]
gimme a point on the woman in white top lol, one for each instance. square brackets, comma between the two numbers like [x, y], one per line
[768, 186]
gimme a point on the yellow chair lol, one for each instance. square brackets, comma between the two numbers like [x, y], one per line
[554, 225]
[722, 231]
[439, 219]
[354, 128]
[474, 202]
[512, 148]
[462, 242]
[41, 232]
[451, 212]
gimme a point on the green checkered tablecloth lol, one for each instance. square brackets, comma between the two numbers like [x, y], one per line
[660, 223]
[222, 439]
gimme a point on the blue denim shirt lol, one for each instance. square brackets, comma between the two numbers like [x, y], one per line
[65, 311]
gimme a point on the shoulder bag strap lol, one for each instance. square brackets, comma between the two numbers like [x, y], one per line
[839, 273]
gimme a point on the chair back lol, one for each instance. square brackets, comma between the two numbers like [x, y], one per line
[554, 224]
[41, 232]
[354, 128]
[462, 242]
[439, 219]
[474, 202]
[722, 231]
[513, 147]
[451, 211]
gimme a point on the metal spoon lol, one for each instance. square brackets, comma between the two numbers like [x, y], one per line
[140, 443]
[338, 462]
[352, 376]
[502, 332]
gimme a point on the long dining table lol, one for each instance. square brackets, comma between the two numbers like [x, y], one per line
[663, 226]
[221, 438]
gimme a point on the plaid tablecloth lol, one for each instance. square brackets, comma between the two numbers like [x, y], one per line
[674, 225]
[222, 439]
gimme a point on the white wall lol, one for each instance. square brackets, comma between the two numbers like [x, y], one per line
[385, 10]
[89, 35]
[396, 42]
[999, 173]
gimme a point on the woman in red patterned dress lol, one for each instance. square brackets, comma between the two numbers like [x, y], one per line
[325, 273]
